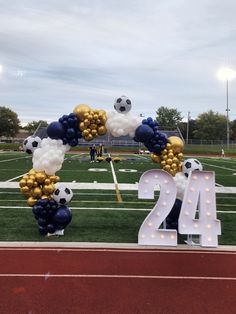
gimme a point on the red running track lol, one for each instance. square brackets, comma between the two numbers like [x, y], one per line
[80, 280]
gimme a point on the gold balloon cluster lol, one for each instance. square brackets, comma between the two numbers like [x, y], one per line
[171, 157]
[37, 184]
[92, 122]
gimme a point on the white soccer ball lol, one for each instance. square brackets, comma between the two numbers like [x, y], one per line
[62, 194]
[190, 165]
[122, 104]
[31, 143]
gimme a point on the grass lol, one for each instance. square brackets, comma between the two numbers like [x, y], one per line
[91, 222]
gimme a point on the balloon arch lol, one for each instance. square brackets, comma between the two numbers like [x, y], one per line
[41, 186]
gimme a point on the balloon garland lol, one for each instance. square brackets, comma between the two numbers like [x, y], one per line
[47, 197]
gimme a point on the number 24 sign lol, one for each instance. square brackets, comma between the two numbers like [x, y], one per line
[199, 195]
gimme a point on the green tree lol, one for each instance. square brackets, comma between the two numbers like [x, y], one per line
[168, 118]
[32, 126]
[9, 122]
[210, 125]
[191, 128]
[233, 129]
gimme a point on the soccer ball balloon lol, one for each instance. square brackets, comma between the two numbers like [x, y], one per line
[122, 104]
[62, 194]
[190, 165]
[31, 143]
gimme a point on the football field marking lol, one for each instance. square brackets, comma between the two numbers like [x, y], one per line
[14, 159]
[118, 195]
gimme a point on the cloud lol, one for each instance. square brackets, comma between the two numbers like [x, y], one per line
[157, 53]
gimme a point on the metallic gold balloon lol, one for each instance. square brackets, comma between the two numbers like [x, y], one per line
[25, 189]
[170, 155]
[86, 122]
[25, 177]
[155, 158]
[95, 116]
[168, 146]
[169, 161]
[31, 201]
[37, 192]
[35, 184]
[47, 181]
[54, 179]
[90, 117]
[85, 133]
[177, 144]
[180, 156]
[22, 183]
[102, 130]
[89, 137]
[32, 171]
[163, 163]
[82, 126]
[172, 172]
[98, 121]
[174, 166]
[93, 126]
[48, 189]
[80, 110]
[30, 183]
[175, 160]
[164, 157]
[40, 176]
[94, 133]
[44, 196]
[167, 168]
[164, 152]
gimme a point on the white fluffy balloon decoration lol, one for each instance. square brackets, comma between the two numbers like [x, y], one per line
[181, 183]
[122, 124]
[50, 156]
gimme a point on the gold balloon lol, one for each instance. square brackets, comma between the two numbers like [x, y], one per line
[25, 189]
[37, 192]
[89, 137]
[35, 184]
[93, 126]
[32, 171]
[164, 152]
[48, 189]
[54, 179]
[167, 168]
[40, 177]
[168, 146]
[22, 183]
[85, 133]
[174, 166]
[30, 183]
[163, 163]
[175, 160]
[94, 133]
[95, 116]
[98, 121]
[171, 155]
[155, 158]
[177, 144]
[86, 122]
[102, 130]
[164, 157]
[86, 114]
[80, 110]
[172, 172]
[31, 201]
[47, 181]
[180, 156]
[25, 177]
[169, 161]
[82, 126]
[90, 117]
[44, 196]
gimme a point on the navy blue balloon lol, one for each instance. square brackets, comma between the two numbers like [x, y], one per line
[42, 222]
[144, 133]
[70, 133]
[51, 228]
[55, 130]
[173, 217]
[43, 230]
[73, 142]
[62, 217]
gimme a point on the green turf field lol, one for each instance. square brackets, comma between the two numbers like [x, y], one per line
[97, 215]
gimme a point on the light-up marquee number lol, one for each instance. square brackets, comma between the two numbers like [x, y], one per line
[200, 194]
[149, 234]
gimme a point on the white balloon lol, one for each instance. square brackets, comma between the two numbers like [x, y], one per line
[181, 183]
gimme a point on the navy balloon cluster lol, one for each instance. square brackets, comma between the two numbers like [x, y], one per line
[173, 217]
[148, 134]
[50, 217]
[66, 129]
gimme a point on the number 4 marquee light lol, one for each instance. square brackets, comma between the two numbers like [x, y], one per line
[199, 195]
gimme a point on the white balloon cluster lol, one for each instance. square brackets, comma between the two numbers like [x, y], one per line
[181, 183]
[122, 124]
[50, 156]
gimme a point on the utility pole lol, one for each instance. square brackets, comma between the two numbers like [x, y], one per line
[188, 127]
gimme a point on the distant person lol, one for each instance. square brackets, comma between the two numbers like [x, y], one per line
[222, 153]
[100, 150]
[92, 152]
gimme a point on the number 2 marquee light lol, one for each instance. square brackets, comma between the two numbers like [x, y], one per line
[199, 198]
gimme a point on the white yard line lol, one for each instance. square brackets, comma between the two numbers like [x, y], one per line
[12, 179]
[220, 167]
[13, 159]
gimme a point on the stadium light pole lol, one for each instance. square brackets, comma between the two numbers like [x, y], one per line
[226, 74]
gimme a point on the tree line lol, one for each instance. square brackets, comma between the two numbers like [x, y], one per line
[207, 126]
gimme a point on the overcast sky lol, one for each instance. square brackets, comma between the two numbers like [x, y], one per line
[56, 54]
